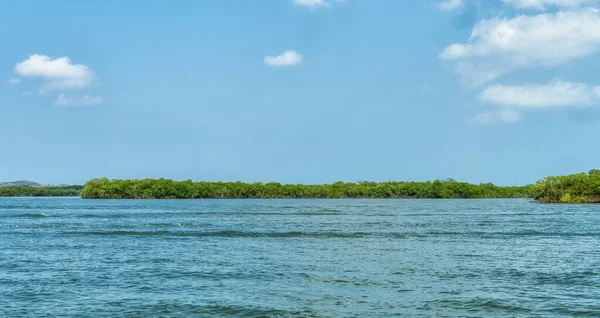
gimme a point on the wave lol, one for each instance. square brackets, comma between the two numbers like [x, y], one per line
[510, 308]
[225, 234]
[480, 304]
[167, 309]
[274, 213]
[224, 213]
[481, 234]
[571, 278]
[34, 215]
[16, 207]
[102, 216]
[306, 234]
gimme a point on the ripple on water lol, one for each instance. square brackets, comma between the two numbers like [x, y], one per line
[32, 215]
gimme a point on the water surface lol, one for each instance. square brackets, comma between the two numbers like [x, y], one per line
[298, 258]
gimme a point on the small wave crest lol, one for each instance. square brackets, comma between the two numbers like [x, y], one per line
[211, 311]
[478, 304]
[226, 234]
[34, 215]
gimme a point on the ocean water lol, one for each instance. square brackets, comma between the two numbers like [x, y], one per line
[69, 257]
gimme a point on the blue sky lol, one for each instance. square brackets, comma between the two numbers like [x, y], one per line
[299, 91]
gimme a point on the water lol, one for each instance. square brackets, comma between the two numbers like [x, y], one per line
[298, 258]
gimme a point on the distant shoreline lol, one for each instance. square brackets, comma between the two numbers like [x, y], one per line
[575, 188]
[40, 191]
[249, 199]
[103, 188]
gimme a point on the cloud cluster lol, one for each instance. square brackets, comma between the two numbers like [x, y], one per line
[58, 74]
[502, 45]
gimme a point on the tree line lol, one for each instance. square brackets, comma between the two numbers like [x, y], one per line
[28, 191]
[574, 188]
[103, 188]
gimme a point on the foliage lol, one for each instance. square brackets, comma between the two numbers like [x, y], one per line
[574, 188]
[103, 188]
[28, 191]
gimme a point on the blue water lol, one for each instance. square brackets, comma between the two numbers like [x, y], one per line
[298, 258]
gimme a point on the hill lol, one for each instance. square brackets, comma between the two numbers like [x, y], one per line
[21, 184]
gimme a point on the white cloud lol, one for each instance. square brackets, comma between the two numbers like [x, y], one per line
[497, 116]
[86, 100]
[14, 81]
[287, 58]
[545, 4]
[500, 45]
[450, 5]
[59, 73]
[312, 4]
[553, 94]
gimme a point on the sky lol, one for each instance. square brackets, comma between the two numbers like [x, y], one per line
[299, 91]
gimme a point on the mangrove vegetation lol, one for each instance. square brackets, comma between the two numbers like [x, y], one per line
[574, 188]
[103, 188]
[29, 191]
